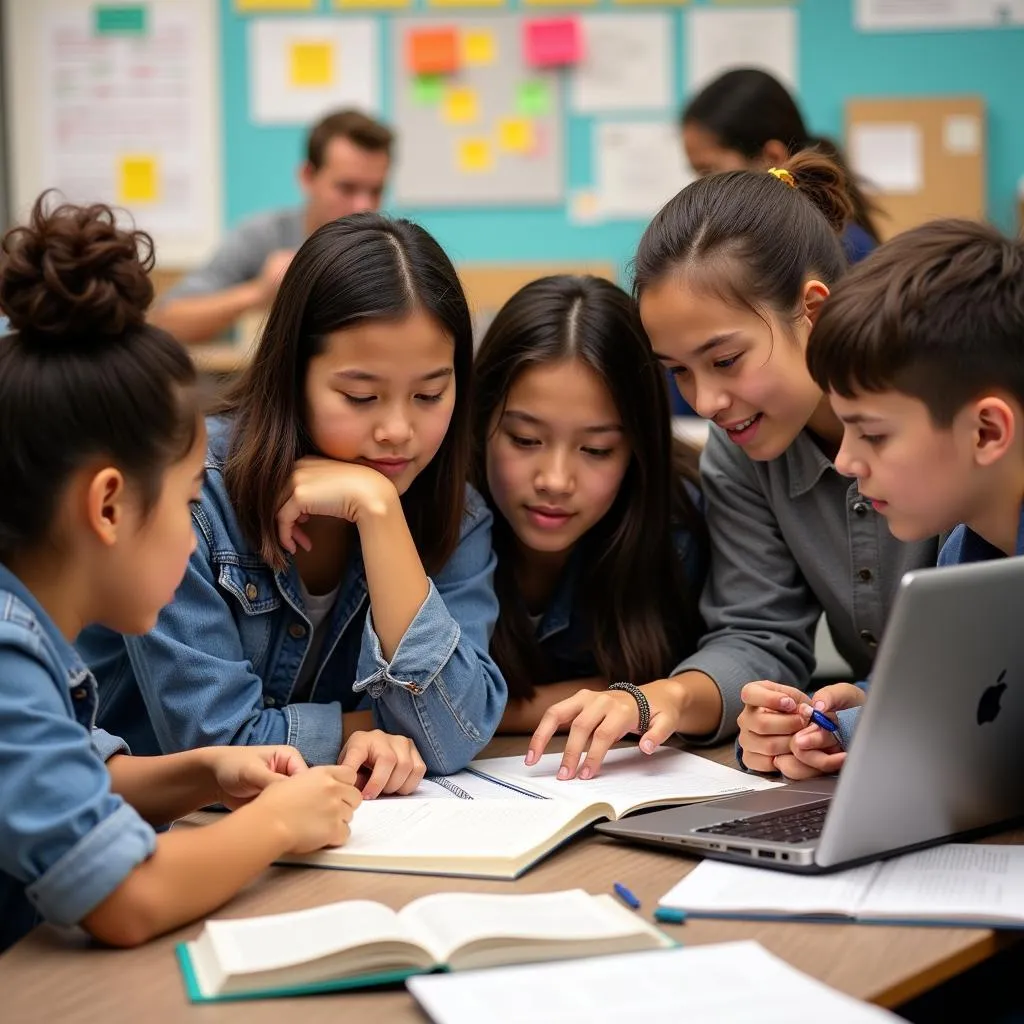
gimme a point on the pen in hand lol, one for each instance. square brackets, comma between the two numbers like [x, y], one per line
[826, 723]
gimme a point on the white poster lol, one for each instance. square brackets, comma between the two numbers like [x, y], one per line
[301, 68]
[627, 65]
[921, 15]
[639, 167]
[888, 157]
[720, 40]
[127, 115]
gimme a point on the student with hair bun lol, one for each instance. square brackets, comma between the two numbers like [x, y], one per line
[730, 277]
[102, 456]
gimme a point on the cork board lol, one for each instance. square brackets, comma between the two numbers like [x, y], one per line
[948, 175]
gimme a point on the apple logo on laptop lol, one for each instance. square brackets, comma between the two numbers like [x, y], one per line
[988, 705]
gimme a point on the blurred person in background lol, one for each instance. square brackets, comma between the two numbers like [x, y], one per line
[348, 156]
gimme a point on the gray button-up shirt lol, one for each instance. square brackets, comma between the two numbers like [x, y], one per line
[790, 538]
[243, 252]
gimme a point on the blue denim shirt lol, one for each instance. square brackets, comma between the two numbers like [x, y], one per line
[565, 632]
[225, 656]
[963, 545]
[66, 841]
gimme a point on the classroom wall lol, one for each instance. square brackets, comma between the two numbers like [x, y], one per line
[834, 62]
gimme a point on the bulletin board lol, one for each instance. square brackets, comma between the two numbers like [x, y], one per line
[491, 132]
[119, 102]
[929, 155]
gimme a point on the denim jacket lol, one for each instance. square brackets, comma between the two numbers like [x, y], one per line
[565, 632]
[66, 841]
[225, 655]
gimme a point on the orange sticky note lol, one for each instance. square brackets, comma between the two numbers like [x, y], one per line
[461, 106]
[433, 51]
[137, 179]
[515, 135]
[475, 156]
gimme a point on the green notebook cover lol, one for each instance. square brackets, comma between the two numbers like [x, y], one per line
[335, 985]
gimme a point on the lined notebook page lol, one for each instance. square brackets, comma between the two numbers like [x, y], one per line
[730, 983]
[628, 777]
[719, 888]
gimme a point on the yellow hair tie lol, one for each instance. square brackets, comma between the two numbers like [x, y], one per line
[783, 175]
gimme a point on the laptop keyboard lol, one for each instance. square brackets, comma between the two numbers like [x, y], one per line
[796, 826]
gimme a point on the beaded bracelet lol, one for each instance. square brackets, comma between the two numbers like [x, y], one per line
[641, 702]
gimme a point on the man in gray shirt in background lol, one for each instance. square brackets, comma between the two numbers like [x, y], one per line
[348, 156]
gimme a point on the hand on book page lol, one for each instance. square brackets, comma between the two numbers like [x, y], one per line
[629, 779]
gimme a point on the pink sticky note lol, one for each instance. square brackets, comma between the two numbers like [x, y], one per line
[552, 42]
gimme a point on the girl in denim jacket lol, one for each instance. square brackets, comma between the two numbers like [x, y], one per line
[102, 455]
[340, 597]
[600, 543]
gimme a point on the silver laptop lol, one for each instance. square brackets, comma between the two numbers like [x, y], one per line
[939, 749]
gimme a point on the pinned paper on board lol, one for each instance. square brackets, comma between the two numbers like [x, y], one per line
[475, 156]
[427, 90]
[552, 42]
[311, 64]
[432, 51]
[922, 15]
[479, 47]
[137, 180]
[516, 135]
[961, 134]
[533, 98]
[720, 40]
[627, 66]
[888, 156]
[461, 106]
[299, 68]
[639, 166]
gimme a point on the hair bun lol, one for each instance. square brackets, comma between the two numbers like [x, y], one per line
[71, 275]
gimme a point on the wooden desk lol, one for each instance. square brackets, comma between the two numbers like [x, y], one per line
[59, 976]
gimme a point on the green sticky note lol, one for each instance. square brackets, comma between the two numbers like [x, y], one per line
[533, 99]
[427, 90]
[120, 21]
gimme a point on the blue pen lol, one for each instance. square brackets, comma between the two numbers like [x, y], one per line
[823, 722]
[626, 896]
[669, 915]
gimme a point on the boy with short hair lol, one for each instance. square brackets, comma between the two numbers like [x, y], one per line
[921, 350]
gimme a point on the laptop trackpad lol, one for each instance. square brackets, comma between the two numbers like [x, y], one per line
[764, 802]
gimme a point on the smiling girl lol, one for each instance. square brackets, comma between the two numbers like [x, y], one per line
[730, 277]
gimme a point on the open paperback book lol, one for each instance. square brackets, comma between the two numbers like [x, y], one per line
[358, 943]
[960, 885]
[498, 832]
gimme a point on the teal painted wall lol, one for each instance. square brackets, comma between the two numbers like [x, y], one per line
[835, 62]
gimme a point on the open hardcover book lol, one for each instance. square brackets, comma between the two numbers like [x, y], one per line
[509, 816]
[960, 885]
[359, 943]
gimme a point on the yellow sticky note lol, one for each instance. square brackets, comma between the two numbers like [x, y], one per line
[515, 135]
[479, 47]
[475, 156]
[311, 65]
[461, 106]
[137, 180]
[274, 5]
